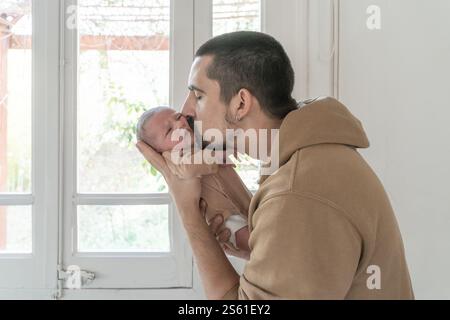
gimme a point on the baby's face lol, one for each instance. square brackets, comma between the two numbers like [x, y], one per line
[160, 127]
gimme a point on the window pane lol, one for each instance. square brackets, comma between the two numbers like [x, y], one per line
[239, 15]
[15, 96]
[123, 228]
[123, 70]
[15, 229]
[248, 169]
[236, 15]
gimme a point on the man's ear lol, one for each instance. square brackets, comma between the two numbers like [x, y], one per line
[243, 103]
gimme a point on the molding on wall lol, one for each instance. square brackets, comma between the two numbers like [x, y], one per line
[323, 48]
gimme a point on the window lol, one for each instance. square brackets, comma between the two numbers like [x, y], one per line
[15, 126]
[123, 228]
[124, 70]
[28, 146]
[236, 15]
[16, 229]
[230, 16]
[118, 210]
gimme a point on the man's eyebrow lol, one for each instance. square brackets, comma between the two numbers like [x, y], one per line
[192, 88]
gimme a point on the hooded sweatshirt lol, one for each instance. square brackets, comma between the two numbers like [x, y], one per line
[322, 226]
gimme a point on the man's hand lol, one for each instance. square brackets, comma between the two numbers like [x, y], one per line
[198, 164]
[216, 272]
[185, 167]
[184, 200]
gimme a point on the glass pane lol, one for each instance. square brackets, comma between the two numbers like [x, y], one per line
[248, 170]
[236, 15]
[15, 229]
[15, 96]
[123, 228]
[123, 70]
[239, 15]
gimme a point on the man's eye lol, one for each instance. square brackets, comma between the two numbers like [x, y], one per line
[198, 97]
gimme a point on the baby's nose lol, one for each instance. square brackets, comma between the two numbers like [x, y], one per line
[182, 123]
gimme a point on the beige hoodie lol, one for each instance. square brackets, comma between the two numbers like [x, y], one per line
[322, 226]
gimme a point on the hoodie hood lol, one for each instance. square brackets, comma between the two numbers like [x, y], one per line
[318, 121]
[322, 121]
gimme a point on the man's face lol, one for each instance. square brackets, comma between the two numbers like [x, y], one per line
[203, 102]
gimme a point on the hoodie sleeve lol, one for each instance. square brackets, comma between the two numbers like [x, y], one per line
[302, 247]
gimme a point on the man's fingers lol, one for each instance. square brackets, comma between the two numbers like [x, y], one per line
[172, 156]
[173, 168]
[155, 159]
[208, 169]
[232, 165]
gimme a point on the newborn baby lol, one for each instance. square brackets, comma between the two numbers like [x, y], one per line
[224, 192]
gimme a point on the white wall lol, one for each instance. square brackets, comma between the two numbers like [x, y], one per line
[397, 81]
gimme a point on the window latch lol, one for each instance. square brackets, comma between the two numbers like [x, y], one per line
[75, 278]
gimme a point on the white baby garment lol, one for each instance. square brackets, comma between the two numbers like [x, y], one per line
[235, 223]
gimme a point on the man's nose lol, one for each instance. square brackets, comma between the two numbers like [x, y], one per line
[188, 108]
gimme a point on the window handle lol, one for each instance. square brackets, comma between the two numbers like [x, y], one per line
[75, 278]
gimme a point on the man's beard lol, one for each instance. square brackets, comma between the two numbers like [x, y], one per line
[198, 139]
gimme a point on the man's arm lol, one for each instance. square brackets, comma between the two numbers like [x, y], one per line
[216, 272]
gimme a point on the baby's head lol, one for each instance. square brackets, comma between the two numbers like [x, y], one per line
[155, 127]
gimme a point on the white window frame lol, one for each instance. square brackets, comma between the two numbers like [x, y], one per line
[33, 275]
[122, 270]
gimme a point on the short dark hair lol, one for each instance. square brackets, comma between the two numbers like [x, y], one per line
[254, 61]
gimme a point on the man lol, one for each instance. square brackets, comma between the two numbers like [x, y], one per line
[321, 226]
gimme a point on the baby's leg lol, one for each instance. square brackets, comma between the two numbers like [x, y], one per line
[242, 236]
[237, 224]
